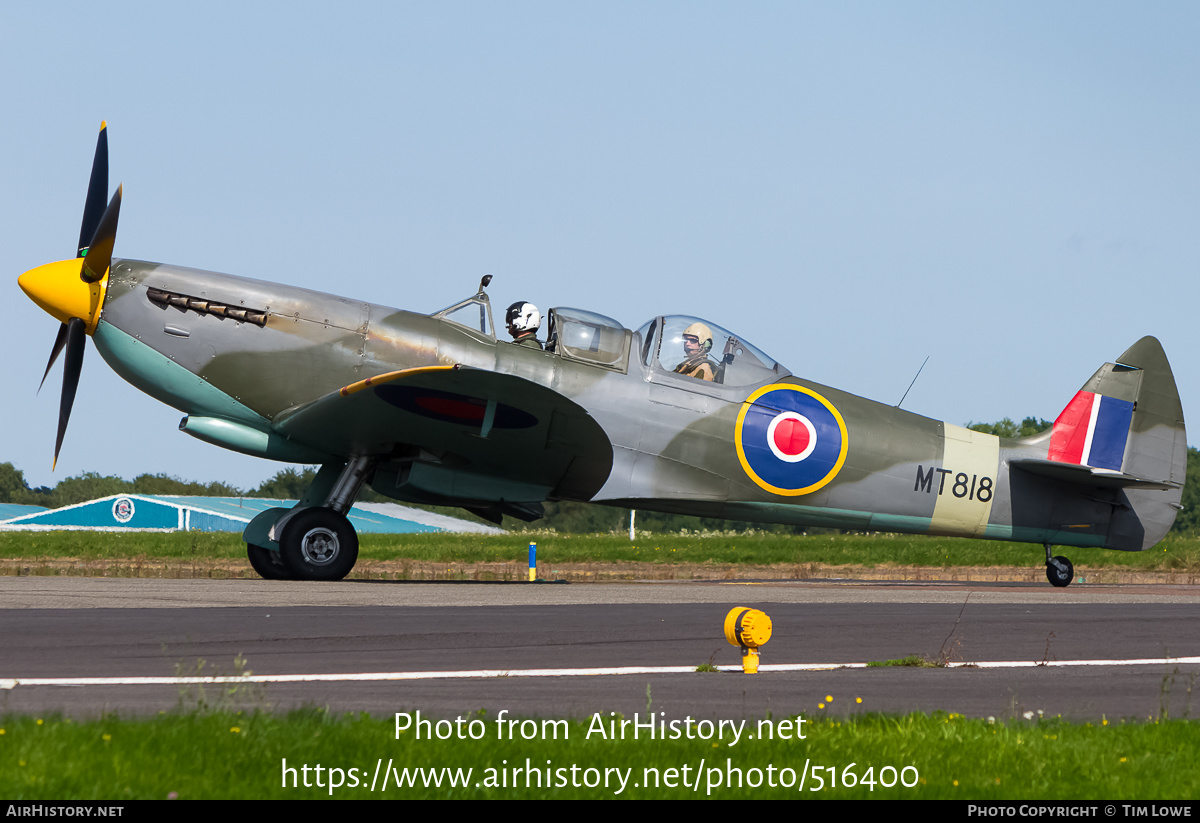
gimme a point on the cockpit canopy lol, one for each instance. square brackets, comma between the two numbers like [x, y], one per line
[585, 335]
[474, 313]
[715, 354]
[675, 344]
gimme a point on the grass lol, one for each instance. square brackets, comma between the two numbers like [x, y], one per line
[941, 756]
[1176, 553]
[912, 660]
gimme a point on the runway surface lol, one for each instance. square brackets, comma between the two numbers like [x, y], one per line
[543, 649]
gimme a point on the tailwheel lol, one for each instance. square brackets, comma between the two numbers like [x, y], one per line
[267, 563]
[318, 544]
[1059, 571]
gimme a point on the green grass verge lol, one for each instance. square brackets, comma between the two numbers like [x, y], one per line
[912, 661]
[1176, 553]
[242, 755]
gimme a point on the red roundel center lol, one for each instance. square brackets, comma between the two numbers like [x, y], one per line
[462, 409]
[791, 436]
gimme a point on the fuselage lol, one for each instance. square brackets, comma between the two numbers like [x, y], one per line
[225, 348]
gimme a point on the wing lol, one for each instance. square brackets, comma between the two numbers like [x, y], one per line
[475, 422]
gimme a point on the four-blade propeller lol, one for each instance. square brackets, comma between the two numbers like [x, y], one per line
[51, 288]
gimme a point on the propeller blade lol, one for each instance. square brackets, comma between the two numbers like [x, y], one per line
[72, 366]
[99, 254]
[59, 342]
[93, 208]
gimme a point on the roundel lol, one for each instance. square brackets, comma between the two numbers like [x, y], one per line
[122, 510]
[790, 440]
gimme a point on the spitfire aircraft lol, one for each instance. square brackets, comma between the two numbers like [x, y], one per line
[677, 416]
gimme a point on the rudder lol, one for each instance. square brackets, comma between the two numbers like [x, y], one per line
[1127, 419]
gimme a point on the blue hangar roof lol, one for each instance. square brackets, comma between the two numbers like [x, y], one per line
[8, 510]
[147, 512]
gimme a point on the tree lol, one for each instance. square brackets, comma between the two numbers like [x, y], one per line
[166, 484]
[287, 484]
[1188, 520]
[1007, 428]
[87, 486]
[13, 488]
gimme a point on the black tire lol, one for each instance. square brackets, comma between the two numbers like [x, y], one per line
[267, 563]
[318, 544]
[1060, 572]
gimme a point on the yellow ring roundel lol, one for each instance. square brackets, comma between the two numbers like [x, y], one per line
[790, 440]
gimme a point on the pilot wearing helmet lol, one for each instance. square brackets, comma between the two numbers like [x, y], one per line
[523, 320]
[697, 343]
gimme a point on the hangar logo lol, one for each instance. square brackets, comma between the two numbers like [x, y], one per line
[122, 509]
[790, 440]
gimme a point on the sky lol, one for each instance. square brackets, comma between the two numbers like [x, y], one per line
[1010, 189]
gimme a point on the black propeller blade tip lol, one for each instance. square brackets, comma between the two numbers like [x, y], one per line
[93, 207]
[72, 366]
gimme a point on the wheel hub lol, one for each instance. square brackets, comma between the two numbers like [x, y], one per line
[319, 546]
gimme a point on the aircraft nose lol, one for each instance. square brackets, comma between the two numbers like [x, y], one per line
[60, 292]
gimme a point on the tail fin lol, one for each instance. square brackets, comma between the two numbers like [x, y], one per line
[1127, 421]
[1126, 418]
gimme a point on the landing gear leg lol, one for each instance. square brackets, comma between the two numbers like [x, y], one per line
[318, 542]
[1059, 570]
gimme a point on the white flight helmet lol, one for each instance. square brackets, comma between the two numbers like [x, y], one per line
[522, 317]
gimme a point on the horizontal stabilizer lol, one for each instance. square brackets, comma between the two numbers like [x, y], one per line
[1088, 476]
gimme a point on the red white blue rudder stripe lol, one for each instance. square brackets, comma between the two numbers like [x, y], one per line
[1092, 431]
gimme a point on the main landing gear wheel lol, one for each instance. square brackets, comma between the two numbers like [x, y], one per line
[318, 544]
[1059, 571]
[267, 563]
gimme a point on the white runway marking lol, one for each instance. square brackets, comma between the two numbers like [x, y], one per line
[11, 683]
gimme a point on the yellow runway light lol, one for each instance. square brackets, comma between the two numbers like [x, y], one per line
[747, 628]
